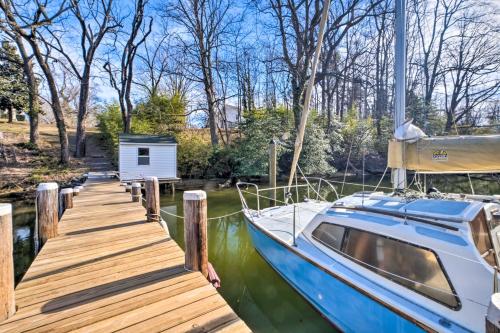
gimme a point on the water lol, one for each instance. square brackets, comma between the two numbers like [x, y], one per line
[24, 248]
[252, 288]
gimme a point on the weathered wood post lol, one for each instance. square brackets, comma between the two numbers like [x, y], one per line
[136, 192]
[77, 189]
[195, 231]
[47, 203]
[7, 299]
[272, 171]
[493, 314]
[66, 199]
[152, 189]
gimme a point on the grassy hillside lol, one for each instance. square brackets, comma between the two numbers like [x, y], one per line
[23, 166]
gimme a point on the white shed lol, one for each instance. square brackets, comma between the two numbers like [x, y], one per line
[147, 155]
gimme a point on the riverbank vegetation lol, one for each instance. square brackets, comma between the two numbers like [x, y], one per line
[226, 77]
[23, 166]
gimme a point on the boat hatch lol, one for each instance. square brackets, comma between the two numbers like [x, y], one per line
[449, 209]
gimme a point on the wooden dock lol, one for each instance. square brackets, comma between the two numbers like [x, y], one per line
[109, 270]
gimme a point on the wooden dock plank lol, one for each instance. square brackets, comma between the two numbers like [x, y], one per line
[110, 270]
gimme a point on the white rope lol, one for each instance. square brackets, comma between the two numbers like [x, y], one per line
[171, 214]
[211, 218]
[224, 216]
[381, 178]
[309, 185]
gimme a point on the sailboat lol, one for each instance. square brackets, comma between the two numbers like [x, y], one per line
[390, 262]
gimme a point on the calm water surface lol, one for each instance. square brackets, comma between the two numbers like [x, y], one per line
[252, 288]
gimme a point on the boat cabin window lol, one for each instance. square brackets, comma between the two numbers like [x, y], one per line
[330, 235]
[482, 239]
[143, 156]
[409, 265]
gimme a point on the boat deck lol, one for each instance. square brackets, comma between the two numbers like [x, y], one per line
[110, 270]
[279, 220]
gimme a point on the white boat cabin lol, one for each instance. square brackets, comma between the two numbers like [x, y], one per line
[147, 155]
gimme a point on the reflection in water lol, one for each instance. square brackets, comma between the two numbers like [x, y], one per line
[252, 288]
[24, 221]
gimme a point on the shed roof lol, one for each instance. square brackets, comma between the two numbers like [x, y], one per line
[136, 138]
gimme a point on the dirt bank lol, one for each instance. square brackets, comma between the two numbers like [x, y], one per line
[23, 167]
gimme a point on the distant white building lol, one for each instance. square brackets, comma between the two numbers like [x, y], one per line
[147, 155]
[232, 117]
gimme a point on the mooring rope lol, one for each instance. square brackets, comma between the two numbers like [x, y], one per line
[210, 218]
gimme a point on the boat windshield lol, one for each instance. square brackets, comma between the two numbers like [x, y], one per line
[480, 229]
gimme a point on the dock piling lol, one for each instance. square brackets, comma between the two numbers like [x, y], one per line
[47, 203]
[136, 269]
[136, 192]
[77, 189]
[66, 199]
[195, 231]
[493, 314]
[152, 189]
[7, 299]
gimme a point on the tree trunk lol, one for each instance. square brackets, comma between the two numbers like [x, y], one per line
[32, 90]
[81, 136]
[296, 107]
[56, 105]
[33, 127]
[210, 95]
[33, 103]
[11, 114]
[212, 121]
[128, 122]
[449, 122]
[82, 114]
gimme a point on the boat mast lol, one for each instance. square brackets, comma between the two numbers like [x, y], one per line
[307, 99]
[399, 174]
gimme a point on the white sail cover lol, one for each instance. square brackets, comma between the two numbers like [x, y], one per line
[409, 132]
[448, 154]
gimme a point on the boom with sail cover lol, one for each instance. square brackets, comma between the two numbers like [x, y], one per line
[447, 154]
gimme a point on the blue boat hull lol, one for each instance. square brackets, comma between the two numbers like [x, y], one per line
[344, 306]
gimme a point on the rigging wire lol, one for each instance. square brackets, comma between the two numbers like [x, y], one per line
[345, 171]
[468, 174]
[381, 178]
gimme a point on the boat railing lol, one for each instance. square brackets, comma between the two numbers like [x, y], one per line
[313, 192]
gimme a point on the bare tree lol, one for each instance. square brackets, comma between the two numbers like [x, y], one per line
[137, 35]
[27, 26]
[155, 65]
[434, 20]
[206, 22]
[470, 78]
[297, 22]
[95, 20]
